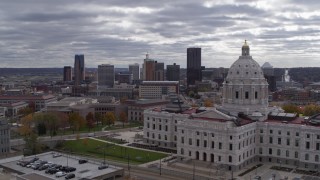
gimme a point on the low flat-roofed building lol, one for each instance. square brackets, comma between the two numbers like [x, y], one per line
[40, 102]
[69, 102]
[88, 170]
[136, 107]
[12, 109]
[157, 89]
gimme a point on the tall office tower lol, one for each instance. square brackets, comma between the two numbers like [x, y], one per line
[173, 72]
[193, 65]
[159, 71]
[148, 69]
[67, 73]
[79, 69]
[134, 70]
[105, 75]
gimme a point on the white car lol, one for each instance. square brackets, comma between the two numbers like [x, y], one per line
[60, 174]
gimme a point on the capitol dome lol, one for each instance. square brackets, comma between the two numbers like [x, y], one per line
[245, 89]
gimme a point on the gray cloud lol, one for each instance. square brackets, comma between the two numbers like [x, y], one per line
[43, 33]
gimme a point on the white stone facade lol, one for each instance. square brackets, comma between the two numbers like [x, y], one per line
[235, 140]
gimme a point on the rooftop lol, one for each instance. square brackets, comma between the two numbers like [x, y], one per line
[88, 170]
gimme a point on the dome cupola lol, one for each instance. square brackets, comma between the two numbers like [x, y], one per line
[245, 88]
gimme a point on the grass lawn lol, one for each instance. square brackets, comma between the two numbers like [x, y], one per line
[98, 128]
[113, 152]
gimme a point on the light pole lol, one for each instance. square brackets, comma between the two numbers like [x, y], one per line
[160, 167]
[194, 171]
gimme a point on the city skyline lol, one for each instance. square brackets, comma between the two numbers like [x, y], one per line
[32, 32]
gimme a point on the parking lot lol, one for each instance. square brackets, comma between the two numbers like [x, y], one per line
[87, 170]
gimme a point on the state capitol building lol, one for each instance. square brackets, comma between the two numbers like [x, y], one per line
[243, 130]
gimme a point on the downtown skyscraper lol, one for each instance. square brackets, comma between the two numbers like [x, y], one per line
[67, 73]
[105, 76]
[79, 69]
[193, 65]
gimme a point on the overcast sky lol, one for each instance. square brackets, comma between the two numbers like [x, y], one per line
[48, 33]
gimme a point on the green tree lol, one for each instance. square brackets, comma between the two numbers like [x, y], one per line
[110, 118]
[89, 121]
[26, 125]
[50, 120]
[311, 110]
[42, 130]
[32, 145]
[98, 117]
[123, 118]
[76, 121]
[25, 111]
[291, 108]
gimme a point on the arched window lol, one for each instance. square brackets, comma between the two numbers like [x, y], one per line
[306, 157]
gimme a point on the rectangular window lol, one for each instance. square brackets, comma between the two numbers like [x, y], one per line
[297, 143]
[220, 145]
[247, 95]
[288, 133]
[261, 139]
[307, 145]
[256, 95]
[271, 131]
[182, 140]
[279, 141]
[270, 151]
[288, 142]
[297, 133]
[237, 94]
[279, 132]
[270, 140]
[198, 142]
[318, 146]
[230, 147]
[190, 141]
[212, 144]
[204, 143]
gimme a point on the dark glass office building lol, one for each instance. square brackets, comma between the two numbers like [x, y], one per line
[193, 65]
[173, 72]
[79, 69]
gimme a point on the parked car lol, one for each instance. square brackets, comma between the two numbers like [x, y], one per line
[56, 155]
[43, 167]
[82, 161]
[60, 174]
[103, 166]
[70, 176]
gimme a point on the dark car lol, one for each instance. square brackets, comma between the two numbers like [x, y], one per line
[37, 166]
[103, 167]
[70, 176]
[51, 171]
[57, 166]
[44, 167]
[70, 169]
[82, 161]
[34, 159]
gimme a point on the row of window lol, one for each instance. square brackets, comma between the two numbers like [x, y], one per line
[308, 135]
[296, 154]
[159, 127]
[296, 142]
